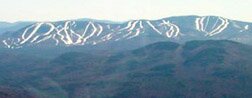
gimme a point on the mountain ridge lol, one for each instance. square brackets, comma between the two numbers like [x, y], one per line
[93, 32]
[211, 68]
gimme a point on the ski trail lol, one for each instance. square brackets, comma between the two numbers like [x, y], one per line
[85, 31]
[6, 44]
[16, 43]
[127, 27]
[107, 37]
[137, 33]
[133, 26]
[169, 33]
[126, 35]
[101, 29]
[177, 30]
[246, 27]
[141, 24]
[31, 34]
[94, 43]
[18, 40]
[216, 28]
[117, 39]
[197, 22]
[68, 38]
[26, 30]
[215, 23]
[220, 28]
[206, 23]
[57, 41]
[213, 32]
[173, 31]
[79, 41]
[74, 33]
[202, 24]
[226, 23]
[59, 30]
[52, 28]
[89, 36]
[153, 27]
[35, 38]
[45, 38]
[130, 29]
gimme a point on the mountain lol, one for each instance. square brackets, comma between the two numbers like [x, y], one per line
[194, 69]
[12, 27]
[132, 34]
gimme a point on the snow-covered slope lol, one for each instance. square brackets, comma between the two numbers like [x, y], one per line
[92, 32]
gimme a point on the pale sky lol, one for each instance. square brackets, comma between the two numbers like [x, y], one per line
[121, 10]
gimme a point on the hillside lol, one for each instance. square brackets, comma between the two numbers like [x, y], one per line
[195, 69]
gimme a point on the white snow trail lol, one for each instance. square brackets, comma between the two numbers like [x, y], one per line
[128, 26]
[31, 34]
[197, 22]
[216, 28]
[79, 40]
[43, 39]
[101, 30]
[35, 38]
[133, 26]
[173, 31]
[220, 28]
[107, 37]
[137, 33]
[246, 27]
[68, 38]
[26, 30]
[126, 35]
[215, 23]
[54, 37]
[59, 29]
[202, 23]
[153, 27]
[86, 28]
[141, 24]
[6, 44]
[93, 33]
[74, 33]
[206, 23]
[130, 29]
[169, 33]
[52, 28]
[177, 30]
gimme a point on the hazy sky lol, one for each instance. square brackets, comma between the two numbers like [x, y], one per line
[121, 10]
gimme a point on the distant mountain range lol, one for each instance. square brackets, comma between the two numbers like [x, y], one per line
[195, 69]
[175, 57]
[12, 27]
[132, 34]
